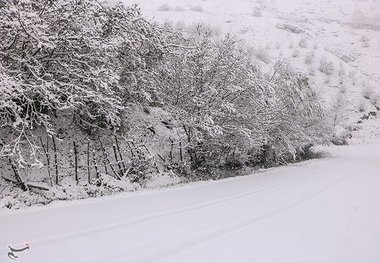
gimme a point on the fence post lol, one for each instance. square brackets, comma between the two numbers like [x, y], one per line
[108, 160]
[117, 159]
[76, 162]
[88, 162]
[46, 151]
[171, 150]
[55, 160]
[180, 151]
[95, 164]
[120, 154]
[104, 157]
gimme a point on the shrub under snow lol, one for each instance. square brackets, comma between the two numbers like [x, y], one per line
[325, 66]
[368, 92]
[165, 8]
[263, 55]
[197, 8]
[309, 58]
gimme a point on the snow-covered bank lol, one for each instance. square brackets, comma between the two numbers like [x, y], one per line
[318, 211]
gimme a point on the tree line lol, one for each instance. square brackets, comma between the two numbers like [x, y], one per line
[93, 59]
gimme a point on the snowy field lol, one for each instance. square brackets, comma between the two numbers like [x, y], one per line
[325, 210]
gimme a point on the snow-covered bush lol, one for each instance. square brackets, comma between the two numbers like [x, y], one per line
[290, 28]
[343, 89]
[165, 8]
[362, 106]
[354, 81]
[197, 8]
[203, 85]
[295, 53]
[325, 66]
[212, 30]
[339, 107]
[179, 8]
[376, 101]
[224, 104]
[365, 41]
[257, 12]
[179, 25]
[311, 72]
[368, 91]
[303, 43]
[263, 55]
[342, 70]
[352, 73]
[290, 86]
[309, 58]
[342, 79]
[340, 140]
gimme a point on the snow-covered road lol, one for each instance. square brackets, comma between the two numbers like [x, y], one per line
[325, 210]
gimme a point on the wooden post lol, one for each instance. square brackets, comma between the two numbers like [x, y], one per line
[55, 161]
[95, 164]
[171, 150]
[180, 151]
[121, 156]
[46, 151]
[117, 159]
[76, 162]
[109, 162]
[104, 157]
[88, 162]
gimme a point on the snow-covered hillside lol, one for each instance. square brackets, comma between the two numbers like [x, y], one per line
[324, 210]
[344, 33]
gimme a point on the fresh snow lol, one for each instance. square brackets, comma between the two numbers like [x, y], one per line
[325, 210]
[319, 211]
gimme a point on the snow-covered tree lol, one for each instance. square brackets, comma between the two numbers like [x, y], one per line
[78, 56]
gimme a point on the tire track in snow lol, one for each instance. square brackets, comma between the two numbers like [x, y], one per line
[247, 222]
[139, 220]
